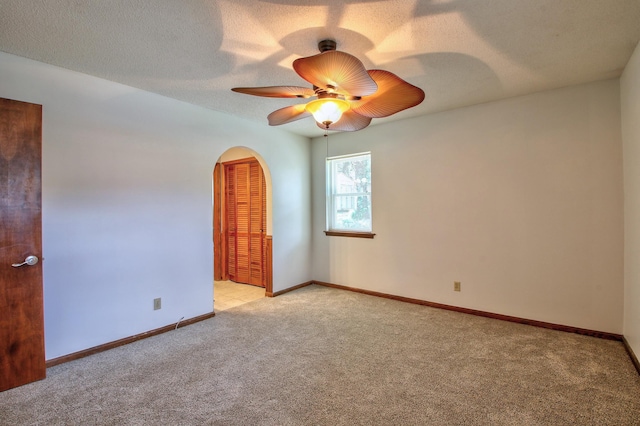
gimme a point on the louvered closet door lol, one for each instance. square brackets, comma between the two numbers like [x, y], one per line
[230, 218]
[246, 219]
[256, 225]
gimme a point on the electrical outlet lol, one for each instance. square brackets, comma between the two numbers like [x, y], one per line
[456, 286]
[157, 304]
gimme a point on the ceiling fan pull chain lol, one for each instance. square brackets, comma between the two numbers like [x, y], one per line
[326, 135]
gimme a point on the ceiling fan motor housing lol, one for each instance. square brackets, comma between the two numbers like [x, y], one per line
[326, 45]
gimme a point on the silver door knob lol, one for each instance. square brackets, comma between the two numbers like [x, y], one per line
[29, 260]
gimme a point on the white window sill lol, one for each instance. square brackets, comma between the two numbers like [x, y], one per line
[349, 234]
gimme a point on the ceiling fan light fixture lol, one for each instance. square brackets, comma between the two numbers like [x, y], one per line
[327, 110]
[349, 95]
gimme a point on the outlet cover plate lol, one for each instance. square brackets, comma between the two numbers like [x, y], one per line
[157, 303]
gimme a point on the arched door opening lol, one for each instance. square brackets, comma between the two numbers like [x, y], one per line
[242, 240]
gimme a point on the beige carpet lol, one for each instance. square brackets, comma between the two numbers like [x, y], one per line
[321, 356]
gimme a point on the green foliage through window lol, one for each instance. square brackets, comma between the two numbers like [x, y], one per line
[349, 193]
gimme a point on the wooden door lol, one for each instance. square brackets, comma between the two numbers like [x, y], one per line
[257, 224]
[245, 218]
[22, 358]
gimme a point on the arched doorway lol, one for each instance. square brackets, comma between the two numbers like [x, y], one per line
[242, 228]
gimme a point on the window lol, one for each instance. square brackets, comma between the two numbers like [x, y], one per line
[349, 195]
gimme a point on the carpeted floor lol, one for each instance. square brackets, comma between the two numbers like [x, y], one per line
[321, 356]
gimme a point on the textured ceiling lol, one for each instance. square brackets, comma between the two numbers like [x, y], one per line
[460, 52]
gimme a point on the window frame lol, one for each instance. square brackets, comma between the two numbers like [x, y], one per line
[332, 195]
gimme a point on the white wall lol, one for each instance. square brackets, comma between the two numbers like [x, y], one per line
[127, 203]
[630, 100]
[521, 200]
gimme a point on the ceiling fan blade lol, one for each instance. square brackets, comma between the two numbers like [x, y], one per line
[287, 115]
[393, 95]
[277, 91]
[339, 70]
[350, 121]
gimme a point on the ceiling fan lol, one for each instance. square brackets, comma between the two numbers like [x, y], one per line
[348, 96]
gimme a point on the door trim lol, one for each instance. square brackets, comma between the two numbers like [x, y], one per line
[220, 248]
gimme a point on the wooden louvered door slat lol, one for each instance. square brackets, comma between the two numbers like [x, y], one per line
[256, 235]
[246, 222]
[230, 215]
[242, 221]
